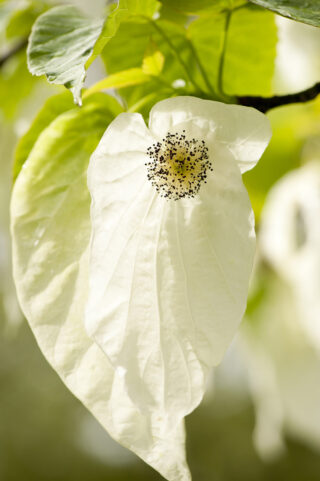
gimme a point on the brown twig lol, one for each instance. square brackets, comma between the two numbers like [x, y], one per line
[266, 103]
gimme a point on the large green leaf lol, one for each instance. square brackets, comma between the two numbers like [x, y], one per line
[120, 12]
[250, 52]
[129, 47]
[23, 17]
[53, 107]
[125, 78]
[237, 50]
[60, 44]
[16, 83]
[201, 6]
[306, 11]
[207, 36]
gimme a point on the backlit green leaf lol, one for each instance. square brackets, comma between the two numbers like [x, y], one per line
[153, 60]
[201, 6]
[125, 78]
[120, 12]
[250, 52]
[237, 50]
[16, 83]
[53, 107]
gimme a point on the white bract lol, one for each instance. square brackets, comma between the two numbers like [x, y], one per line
[283, 367]
[290, 239]
[165, 282]
[172, 248]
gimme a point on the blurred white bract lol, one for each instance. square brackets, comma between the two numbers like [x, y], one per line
[290, 240]
[280, 339]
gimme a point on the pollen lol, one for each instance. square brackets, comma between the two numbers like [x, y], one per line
[178, 166]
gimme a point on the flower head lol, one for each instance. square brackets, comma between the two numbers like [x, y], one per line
[171, 251]
[178, 165]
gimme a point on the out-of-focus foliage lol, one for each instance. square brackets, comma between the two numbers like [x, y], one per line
[16, 83]
[292, 127]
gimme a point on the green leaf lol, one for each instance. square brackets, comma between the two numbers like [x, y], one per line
[126, 78]
[22, 19]
[128, 48]
[53, 107]
[51, 232]
[153, 60]
[237, 50]
[207, 36]
[250, 52]
[16, 83]
[202, 6]
[306, 11]
[120, 12]
[60, 44]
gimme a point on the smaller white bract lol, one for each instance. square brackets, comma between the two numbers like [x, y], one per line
[171, 255]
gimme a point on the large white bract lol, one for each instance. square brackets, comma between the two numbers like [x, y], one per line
[172, 247]
[133, 324]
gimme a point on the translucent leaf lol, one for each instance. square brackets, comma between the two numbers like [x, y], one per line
[153, 60]
[14, 77]
[202, 6]
[60, 44]
[250, 52]
[126, 78]
[53, 107]
[120, 12]
[306, 11]
[51, 233]
[168, 280]
[128, 48]
[237, 50]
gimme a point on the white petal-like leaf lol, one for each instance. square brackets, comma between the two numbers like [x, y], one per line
[169, 279]
[243, 131]
[51, 233]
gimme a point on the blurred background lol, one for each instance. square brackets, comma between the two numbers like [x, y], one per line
[260, 419]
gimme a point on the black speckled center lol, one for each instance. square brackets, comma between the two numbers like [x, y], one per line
[178, 166]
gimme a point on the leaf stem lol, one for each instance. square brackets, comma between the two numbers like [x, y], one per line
[175, 52]
[202, 70]
[223, 54]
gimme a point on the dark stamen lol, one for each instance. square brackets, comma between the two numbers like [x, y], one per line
[178, 166]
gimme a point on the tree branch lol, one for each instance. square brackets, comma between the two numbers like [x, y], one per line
[15, 49]
[266, 103]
